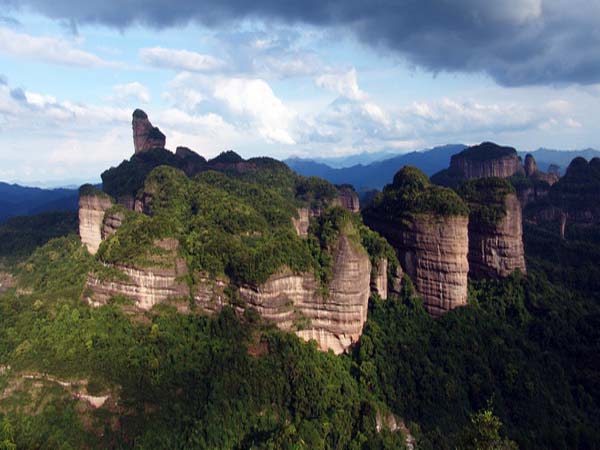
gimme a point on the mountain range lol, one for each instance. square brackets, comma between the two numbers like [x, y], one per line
[375, 175]
[16, 200]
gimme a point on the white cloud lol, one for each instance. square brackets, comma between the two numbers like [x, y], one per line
[134, 91]
[47, 49]
[344, 84]
[180, 60]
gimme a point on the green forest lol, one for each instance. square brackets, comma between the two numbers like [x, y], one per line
[518, 367]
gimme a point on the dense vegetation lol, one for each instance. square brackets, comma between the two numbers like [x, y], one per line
[20, 236]
[486, 151]
[579, 188]
[411, 193]
[181, 381]
[486, 198]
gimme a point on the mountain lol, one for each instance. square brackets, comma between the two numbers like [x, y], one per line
[561, 158]
[19, 200]
[379, 173]
[364, 158]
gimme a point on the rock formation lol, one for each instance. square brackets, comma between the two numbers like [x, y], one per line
[379, 278]
[433, 252]
[92, 206]
[348, 198]
[294, 303]
[145, 136]
[495, 228]
[147, 285]
[487, 160]
[111, 223]
[428, 227]
[302, 222]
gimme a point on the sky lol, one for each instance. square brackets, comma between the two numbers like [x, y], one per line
[279, 78]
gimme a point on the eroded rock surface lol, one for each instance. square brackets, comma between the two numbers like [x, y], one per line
[302, 222]
[91, 219]
[379, 278]
[433, 252]
[294, 301]
[348, 198]
[145, 136]
[497, 250]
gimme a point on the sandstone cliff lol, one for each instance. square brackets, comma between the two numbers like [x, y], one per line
[348, 198]
[433, 252]
[428, 227]
[145, 136]
[294, 301]
[379, 278]
[301, 222]
[92, 207]
[487, 160]
[495, 251]
[146, 285]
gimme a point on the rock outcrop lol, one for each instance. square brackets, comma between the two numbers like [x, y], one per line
[111, 223]
[147, 285]
[302, 222]
[145, 136]
[379, 278]
[294, 301]
[92, 207]
[433, 252]
[348, 198]
[495, 251]
[487, 160]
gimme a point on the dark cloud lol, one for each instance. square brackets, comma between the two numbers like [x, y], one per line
[517, 42]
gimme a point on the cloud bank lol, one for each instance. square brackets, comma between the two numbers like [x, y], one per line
[516, 42]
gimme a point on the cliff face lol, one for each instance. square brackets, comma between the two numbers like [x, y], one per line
[502, 167]
[91, 217]
[497, 251]
[145, 136]
[111, 224]
[433, 252]
[348, 199]
[294, 303]
[302, 222]
[147, 285]
[379, 278]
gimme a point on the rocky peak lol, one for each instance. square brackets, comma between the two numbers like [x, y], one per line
[145, 136]
[530, 165]
[487, 160]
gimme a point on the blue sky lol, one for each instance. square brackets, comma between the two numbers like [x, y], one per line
[278, 81]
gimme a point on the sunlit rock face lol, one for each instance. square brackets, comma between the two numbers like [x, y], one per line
[433, 252]
[145, 136]
[295, 302]
[495, 251]
[91, 217]
[502, 166]
[301, 222]
[146, 285]
[379, 278]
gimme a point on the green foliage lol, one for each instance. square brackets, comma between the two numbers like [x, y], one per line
[89, 190]
[486, 198]
[315, 191]
[484, 433]
[412, 193]
[20, 236]
[486, 151]
[579, 188]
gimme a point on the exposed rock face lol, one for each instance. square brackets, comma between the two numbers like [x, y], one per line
[145, 136]
[530, 165]
[348, 199]
[7, 281]
[433, 252]
[503, 167]
[146, 286]
[379, 278]
[497, 251]
[91, 218]
[293, 301]
[302, 222]
[111, 224]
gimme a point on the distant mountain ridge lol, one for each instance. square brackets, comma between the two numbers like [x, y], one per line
[16, 200]
[376, 174]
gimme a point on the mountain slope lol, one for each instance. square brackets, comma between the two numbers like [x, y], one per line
[22, 201]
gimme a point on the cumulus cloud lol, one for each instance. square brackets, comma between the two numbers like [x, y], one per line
[47, 49]
[180, 59]
[517, 42]
[344, 84]
[125, 93]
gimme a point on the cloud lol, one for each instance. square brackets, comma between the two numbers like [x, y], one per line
[135, 91]
[344, 84]
[47, 49]
[249, 104]
[180, 60]
[517, 42]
